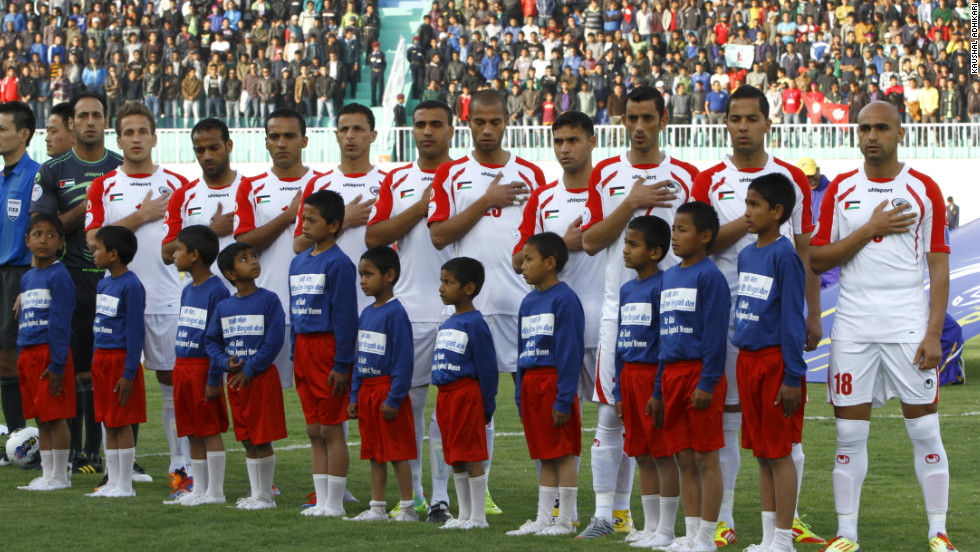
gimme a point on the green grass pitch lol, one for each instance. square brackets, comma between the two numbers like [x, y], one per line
[892, 515]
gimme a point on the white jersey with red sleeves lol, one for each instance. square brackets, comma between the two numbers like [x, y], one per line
[259, 200]
[553, 208]
[882, 298]
[349, 186]
[724, 187]
[459, 184]
[421, 263]
[609, 185]
[117, 195]
[197, 203]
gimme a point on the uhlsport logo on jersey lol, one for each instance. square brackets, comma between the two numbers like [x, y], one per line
[851, 205]
[902, 204]
[726, 195]
[617, 191]
[549, 215]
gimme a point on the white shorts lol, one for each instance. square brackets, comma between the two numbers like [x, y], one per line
[586, 379]
[861, 373]
[505, 330]
[284, 362]
[731, 359]
[605, 367]
[158, 344]
[424, 337]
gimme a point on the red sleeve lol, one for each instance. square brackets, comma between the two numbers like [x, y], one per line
[382, 206]
[307, 192]
[939, 228]
[593, 203]
[801, 182]
[702, 183]
[173, 221]
[95, 210]
[827, 207]
[440, 200]
[529, 220]
[244, 209]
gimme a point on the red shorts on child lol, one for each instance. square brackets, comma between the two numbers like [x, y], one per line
[459, 412]
[383, 440]
[195, 415]
[539, 389]
[765, 430]
[107, 368]
[312, 364]
[686, 427]
[257, 410]
[636, 387]
[36, 392]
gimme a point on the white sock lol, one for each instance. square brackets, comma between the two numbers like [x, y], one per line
[850, 468]
[407, 505]
[200, 468]
[59, 465]
[651, 512]
[266, 468]
[546, 504]
[691, 527]
[170, 429]
[668, 515]
[489, 460]
[378, 507]
[112, 467]
[252, 466]
[418, 395]
[782, 540]
[320, 487]
[567, 505]
[730, 458]
[799, 459]
[706, 533]
[607, 456]
[216, 474]
[126, 459]
[768, 526]
[334, 497]
[47, 461]
[478, 507]
[932, 468]
[440, 471]
[462, 481]
[624, 483]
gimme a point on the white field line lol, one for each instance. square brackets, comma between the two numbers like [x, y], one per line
[521, 434]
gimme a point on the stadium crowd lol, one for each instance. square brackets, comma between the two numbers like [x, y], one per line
[193, 58]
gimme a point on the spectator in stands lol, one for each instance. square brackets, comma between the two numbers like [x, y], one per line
[231, 93]
[190, 89]
[170, 94]
[715, 102]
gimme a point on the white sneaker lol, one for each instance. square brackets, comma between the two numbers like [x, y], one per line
[55, 484]
[207, 500]
[244, 503]
[473, 524]
[453, 524]
[681, 544]
[260, 505]
[704, 546]
[34, 485]
[659, 541]
[116, 492]
[349, 496]
[100, 492]
[404, 515]
[368, 515]
[636, 536]
[557, 530]
[184, 499]
[530, 527]
[755, 548]
[312, 511]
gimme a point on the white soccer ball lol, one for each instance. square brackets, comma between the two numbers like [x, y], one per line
[23, 446]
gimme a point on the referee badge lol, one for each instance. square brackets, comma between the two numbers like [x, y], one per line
[13, 208]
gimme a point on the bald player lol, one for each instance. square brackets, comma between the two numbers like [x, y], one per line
[884, 225]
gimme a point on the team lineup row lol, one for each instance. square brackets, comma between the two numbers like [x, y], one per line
[473, 204]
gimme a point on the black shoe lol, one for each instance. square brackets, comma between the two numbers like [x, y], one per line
[87, 464]
[105, 479]
[140, 475]
[4, 461]
[439, 513]
[33, 464]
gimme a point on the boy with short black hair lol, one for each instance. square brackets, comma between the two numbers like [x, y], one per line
[552, 326]
[200, 411]
[117, 375]
[769, 330]
[637, 361]
[379, 387]
[245, 334]
[323, 315]
[47, 300]
[689, 396]
[464, 368]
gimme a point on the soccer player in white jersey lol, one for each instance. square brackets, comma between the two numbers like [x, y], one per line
[724, 186]
[266, 207]
[476, 208]
[883, 224]
[356, 179]
[135, 196]
[210, 199]
[641, 181]
[399, 216]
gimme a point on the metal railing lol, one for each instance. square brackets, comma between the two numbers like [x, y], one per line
[687, 142]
